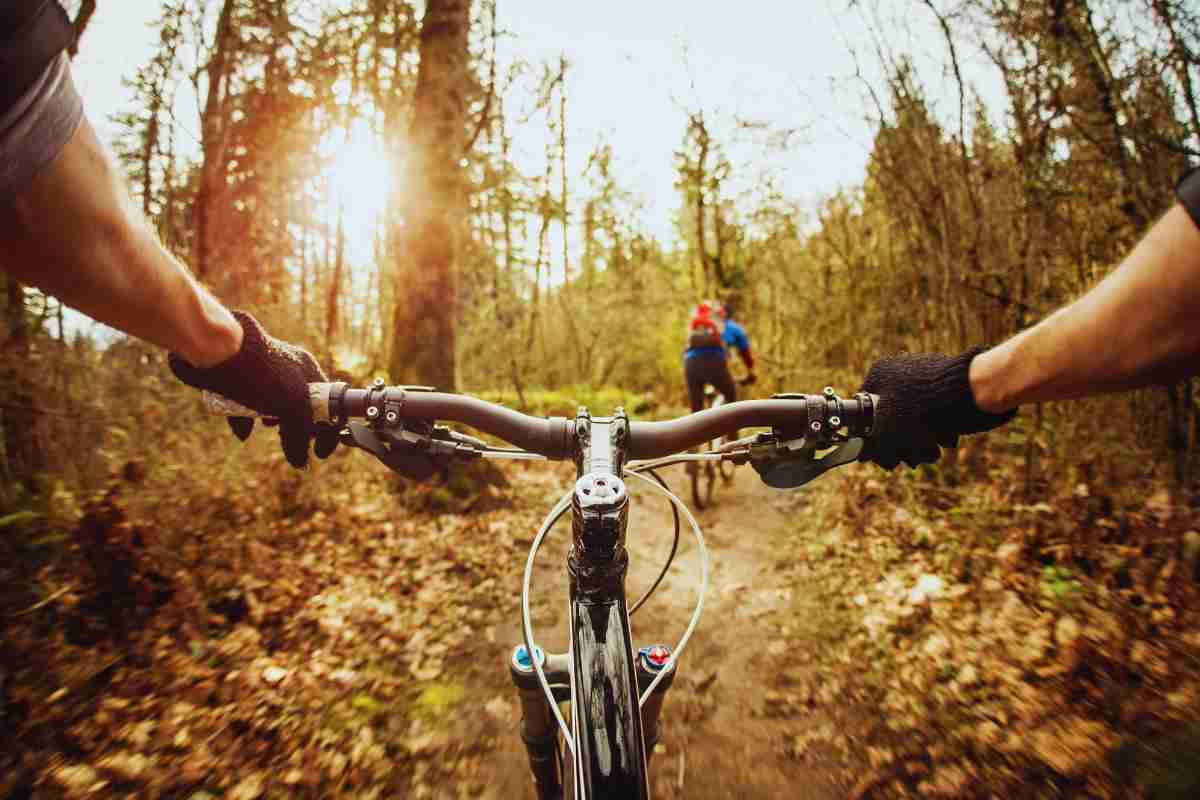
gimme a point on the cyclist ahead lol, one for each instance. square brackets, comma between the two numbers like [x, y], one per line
[711, 332]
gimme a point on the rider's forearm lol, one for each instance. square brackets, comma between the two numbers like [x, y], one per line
[75, 234]
[1140, 325]
[747, 358]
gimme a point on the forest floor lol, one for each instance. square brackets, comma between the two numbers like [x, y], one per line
[862, 637]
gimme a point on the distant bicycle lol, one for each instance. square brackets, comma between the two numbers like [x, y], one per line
[705, 475]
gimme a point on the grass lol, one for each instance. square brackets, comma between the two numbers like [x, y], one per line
[436, 698]
[565, 401]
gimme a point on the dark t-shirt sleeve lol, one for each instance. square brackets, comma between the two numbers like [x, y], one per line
[39, 107]
[36, 128]
[1188, 193]
[32, 34]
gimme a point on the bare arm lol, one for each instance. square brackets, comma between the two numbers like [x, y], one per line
[1139, 325]
[74, 233]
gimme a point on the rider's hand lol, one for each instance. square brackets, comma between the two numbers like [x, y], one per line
[271, 377]
[925, 403]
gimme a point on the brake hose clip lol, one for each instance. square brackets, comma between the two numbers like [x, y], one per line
[373, 403]
[393, 405]
[819, 432]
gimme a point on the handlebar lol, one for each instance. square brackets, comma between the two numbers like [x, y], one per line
[400, 422]
[553, 437]
[659, 439]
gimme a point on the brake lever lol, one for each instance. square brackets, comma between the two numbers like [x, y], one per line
[783, 467]
[463, 442]
[394, 453]
[415, 455]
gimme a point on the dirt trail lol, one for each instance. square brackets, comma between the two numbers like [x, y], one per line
[726, 730]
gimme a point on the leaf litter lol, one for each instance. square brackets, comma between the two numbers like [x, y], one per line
[334, 651]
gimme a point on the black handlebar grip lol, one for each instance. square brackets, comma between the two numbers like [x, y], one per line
[552, 437]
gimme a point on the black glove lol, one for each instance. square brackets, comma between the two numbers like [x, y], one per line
[271, 377]
[925, 403]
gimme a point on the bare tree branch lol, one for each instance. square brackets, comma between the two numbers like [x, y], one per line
[78, 25]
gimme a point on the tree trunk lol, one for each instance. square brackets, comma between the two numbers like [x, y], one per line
[23, 455]
[213, 130]
[335, 285]
[562, 162]
[304, 279]
[506, 209]
[423, 329]
[701, 180]
[535, 306]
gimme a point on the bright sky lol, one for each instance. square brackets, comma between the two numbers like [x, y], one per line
[637, 68]
[785, 63]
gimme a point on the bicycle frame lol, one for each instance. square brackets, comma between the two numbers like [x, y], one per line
[601, 668]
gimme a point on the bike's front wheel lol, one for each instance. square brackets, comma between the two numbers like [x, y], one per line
[704, 482]
[705, 473]
[726, 470]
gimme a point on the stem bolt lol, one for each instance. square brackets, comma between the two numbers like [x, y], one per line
[816, 426]
[835, 422]
[372, 412]
[829, 391]
[377, 383]
[391, 417]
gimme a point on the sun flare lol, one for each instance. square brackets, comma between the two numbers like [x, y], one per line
[359, 178]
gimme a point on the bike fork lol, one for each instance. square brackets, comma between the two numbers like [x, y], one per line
[539, 729]
[650, 662]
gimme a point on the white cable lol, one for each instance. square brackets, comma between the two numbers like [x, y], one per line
[527, 625]
[687, 634]
[657, 463]
[516, 455]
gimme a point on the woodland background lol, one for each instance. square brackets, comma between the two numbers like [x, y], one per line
[964, 231]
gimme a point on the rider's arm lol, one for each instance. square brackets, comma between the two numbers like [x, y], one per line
[73, 232]
[747, 358]
[741, 342]
[67, 224]
[1139, 325]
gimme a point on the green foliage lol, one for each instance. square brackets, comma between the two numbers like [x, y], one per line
[364, 702]
[565, 402]
[438, 698]
[1058, 585]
